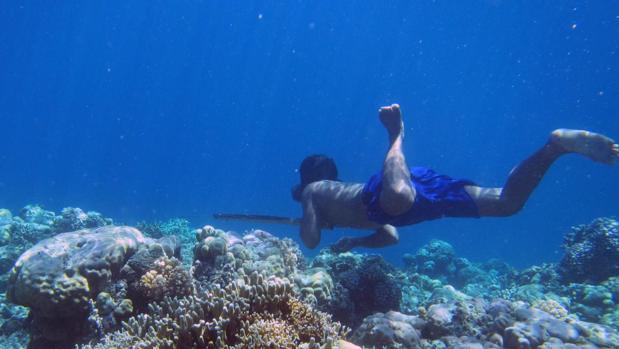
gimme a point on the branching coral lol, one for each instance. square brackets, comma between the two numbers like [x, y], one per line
[257, 310]
[311, 325]
[259, 326]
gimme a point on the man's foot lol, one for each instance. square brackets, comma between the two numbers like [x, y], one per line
[595, 146]
[392, 120]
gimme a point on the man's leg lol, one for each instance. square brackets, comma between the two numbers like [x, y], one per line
[397, 194]
[384, 236]
[526, 176]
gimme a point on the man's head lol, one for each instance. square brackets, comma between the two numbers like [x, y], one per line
[314, 168]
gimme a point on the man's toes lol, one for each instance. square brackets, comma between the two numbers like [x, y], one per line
[391, 109]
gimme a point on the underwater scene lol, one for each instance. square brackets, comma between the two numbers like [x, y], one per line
[309, 174]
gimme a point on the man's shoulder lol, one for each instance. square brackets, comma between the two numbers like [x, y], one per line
[330, 185]
[332, 188]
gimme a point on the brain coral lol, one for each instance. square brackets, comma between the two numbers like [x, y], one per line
[61, 278]
[58, 275]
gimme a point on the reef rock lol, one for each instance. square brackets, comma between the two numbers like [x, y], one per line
[477, 323]
[536, 328]
[390, 330]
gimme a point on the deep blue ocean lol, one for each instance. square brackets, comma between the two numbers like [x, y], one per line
[148, 110]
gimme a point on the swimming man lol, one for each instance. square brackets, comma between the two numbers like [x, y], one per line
[399, 195]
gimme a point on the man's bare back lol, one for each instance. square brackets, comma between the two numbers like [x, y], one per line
[339, 204]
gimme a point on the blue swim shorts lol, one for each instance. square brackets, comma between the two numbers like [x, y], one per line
[437, 196]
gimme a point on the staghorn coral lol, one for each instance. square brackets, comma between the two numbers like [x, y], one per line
[252, 310]
[312, 325]
[254, 330]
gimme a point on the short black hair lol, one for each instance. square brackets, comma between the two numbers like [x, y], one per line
[314, 168]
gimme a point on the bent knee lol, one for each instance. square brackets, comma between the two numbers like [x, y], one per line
[396, 202]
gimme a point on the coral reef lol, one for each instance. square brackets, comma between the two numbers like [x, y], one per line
[363, 285]
[115, 287]
[33, 224]
[435, 266]
[81, 285]
[393, 330]
[13, 332]
[591, 252]
[252, 312]
[315, 286]
[167, 279]
[219, 255]
[72, 219]
[476, 323]
[437, 260]
[177, 227]
[61, 278]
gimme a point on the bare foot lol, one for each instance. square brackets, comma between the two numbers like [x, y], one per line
[595, 146]
[392, 120]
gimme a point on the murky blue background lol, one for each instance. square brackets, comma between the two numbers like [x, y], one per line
[148, 110]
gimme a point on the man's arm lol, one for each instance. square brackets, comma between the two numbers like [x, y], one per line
[310, 229]
[384, 236]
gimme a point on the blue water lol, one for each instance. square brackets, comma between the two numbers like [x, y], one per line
[149, 110]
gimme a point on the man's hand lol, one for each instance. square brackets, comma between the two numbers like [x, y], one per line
[344, 244]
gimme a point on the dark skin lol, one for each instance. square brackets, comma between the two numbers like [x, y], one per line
[328, 204]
